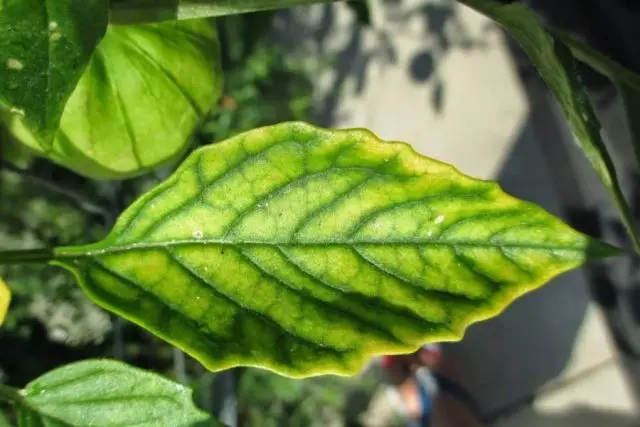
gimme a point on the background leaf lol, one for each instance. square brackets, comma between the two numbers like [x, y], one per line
[307, 251]
[598, 61]
[3, 421]
[104, 393]
[5, 299]
[631, 100]
[362, 10]
[143, 94]
[44, 48]
[556, 65]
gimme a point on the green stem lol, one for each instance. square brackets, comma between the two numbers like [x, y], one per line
[10, 394]
[78, 200]
[143, 11]
[26, 256]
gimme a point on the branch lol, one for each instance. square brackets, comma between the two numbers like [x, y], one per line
[10, 394]
[26, 256]
[141, 11]
[78, 200]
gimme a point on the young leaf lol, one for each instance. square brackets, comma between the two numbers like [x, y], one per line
[5, 299]
[557, 66]
[135, 11]
[307, 251]
[105, 393]
[144, 92]
[44, 48]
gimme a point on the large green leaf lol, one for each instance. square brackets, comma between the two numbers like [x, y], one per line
[132, 11]
[104, 393]
[144, 92]
[307, 251]
[557, 66]
[44, 48]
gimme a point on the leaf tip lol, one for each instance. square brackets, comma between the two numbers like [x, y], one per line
[597, 249]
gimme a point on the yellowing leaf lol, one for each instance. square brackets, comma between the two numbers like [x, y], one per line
[144, 92]
[5, 299]
[307, 251]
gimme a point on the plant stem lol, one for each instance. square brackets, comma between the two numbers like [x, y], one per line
[10, 394]
[143, 11]
[26, 256]
[79, 200]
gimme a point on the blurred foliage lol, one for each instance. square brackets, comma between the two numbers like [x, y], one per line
[33, 215]
[269, 400]
[3, 421]
[263, 85]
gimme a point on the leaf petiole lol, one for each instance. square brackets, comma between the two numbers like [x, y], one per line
[26, 256]
[10, 394]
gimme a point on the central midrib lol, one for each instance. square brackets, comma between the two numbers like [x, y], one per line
[95, 250]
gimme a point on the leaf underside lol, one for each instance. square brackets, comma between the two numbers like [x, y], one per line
[105, 393]
[307, 251]
[44, 48]
[144, 92]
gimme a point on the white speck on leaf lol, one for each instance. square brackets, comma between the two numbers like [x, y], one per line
[18, 111]
[53, 25]
[14, 64]
[197, 234]
[439, 219]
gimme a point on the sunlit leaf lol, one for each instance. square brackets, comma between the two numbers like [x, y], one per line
[44, 48]
[105, 393]
[143, 94]
[307, 251]
[557, 66]
[5, 299]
